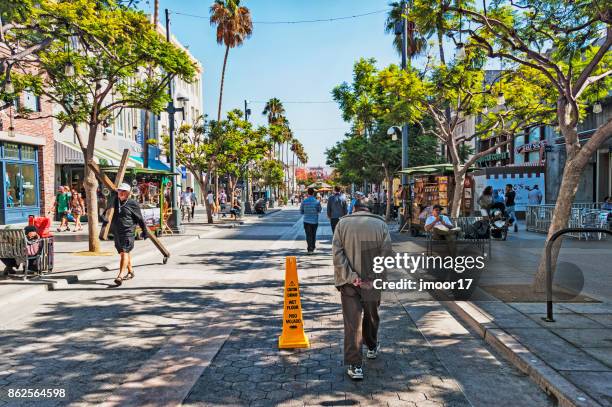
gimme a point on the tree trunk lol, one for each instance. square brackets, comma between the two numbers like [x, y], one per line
[204, 183]
[91, 201]
[577, 159]
[455, 209]
[222, 80]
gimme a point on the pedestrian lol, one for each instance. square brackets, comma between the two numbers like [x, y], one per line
[77, 209]
[194, 201]
[336, 207]
[311, 208]
[534, 196]
[486, 200]
[358, 195]
[186, 201]
[511, 206]
[126, 217]
[61, 208]
[359, 238]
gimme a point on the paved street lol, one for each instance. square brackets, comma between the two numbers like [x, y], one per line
[155, 337]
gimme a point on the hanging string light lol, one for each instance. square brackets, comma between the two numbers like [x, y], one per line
[460, 46]
[501, 100]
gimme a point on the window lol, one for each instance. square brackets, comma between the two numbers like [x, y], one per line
[28, 179]
[120, 124]
[31, 101]
[13, 185]
[11, 151]
[20, 183]
[28, 153]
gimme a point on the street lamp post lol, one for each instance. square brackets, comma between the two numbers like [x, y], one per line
[248, 206]
[171, 110]
[406, 30]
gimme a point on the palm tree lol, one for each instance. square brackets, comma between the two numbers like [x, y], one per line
[234, 26]
[275, 110]
[416, 45]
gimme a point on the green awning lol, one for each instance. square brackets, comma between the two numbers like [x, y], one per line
[431, 169]
[140, 171]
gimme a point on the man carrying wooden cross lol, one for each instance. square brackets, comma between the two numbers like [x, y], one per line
[127, 216]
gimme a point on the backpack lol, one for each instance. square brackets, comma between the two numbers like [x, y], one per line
[477, 230]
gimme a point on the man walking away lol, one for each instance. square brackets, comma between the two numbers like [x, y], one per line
[359, 238]
[511, 205]
[336, 208]
[310, 208]
[127, 216]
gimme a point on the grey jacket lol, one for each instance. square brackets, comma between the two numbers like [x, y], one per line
[359, 237]
[336, 206]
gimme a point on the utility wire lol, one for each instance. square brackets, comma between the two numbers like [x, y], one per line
[295, 101]
[318, 20]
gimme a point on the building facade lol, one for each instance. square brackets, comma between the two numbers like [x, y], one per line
[26, 159]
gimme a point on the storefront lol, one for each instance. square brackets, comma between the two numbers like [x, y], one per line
[20, 189]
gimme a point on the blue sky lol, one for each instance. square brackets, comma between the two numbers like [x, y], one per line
[298, 62]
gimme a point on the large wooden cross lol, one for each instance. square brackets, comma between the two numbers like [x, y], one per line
[113, 187]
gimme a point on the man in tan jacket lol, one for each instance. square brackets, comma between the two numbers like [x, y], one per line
[359, 238]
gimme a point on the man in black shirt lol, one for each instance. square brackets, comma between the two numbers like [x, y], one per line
[127, 216]
[511, 205]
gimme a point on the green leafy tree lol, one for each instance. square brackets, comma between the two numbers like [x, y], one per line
[462, 87]
[234, 26]
[368, 153]
[196, 148]
[269, 173]
[240, 145]
[566, 45]
[114, 43]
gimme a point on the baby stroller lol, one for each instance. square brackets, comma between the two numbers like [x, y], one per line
[498, 219]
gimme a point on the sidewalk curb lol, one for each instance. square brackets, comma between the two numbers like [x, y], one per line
[549, 380]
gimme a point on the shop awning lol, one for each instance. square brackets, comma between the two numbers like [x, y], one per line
[70, 153]
[153, 164]
[431, 169]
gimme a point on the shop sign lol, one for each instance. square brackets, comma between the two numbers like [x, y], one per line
[494, 157]
[526, 148]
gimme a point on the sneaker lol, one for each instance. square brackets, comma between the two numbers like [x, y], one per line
[372, 353]
[355, 372]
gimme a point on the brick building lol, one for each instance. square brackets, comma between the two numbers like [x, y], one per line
[26, 159]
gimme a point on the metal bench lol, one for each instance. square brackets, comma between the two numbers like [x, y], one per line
[13, 246]
[464, 222]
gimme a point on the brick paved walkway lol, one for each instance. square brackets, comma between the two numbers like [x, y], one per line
[250, 370]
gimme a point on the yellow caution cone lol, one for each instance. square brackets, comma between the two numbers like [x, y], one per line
[293, 335]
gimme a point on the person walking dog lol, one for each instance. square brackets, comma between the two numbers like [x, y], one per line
[359, 238]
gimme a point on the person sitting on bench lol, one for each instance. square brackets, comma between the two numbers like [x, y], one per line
[440, 225]
[33, 243]
[442, 228]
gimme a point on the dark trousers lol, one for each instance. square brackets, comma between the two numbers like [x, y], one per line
[360, 322]
[334, 222]
[311, 235]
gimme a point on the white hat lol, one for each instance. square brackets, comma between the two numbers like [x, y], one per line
[124, 187]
